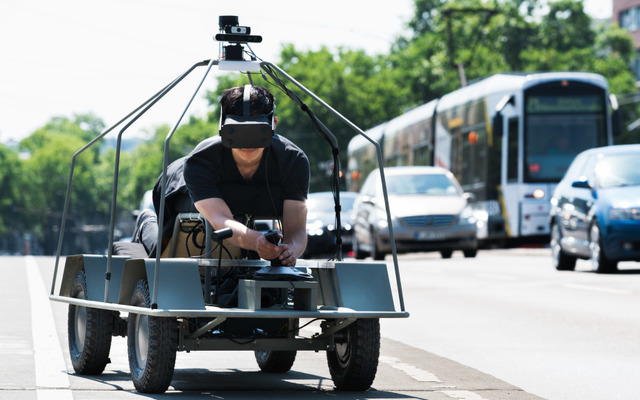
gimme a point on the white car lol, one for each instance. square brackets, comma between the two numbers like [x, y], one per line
[429, 212]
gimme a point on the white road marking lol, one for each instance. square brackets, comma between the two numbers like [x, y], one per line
[52, 381]
[596, 288]
[416, 373]
[421, 375]
[463, 395]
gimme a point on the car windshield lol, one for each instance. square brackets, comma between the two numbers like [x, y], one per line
[618, 170]
[429, 184]
[326, 203]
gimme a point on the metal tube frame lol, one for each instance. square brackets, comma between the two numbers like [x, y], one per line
[138, 112]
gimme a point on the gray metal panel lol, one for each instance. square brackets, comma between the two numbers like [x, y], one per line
[328, 294]
[72, 265]
[179, 286]
[134, 270]
[95, 269]
[364, 287]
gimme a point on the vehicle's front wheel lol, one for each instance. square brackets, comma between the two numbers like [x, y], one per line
[375, 253]
[354, 362]
[470, 253]
[275, 361]
[152, 345]
[599, 260]
[89, 331]
[446, 253]
[561, 261]
[357, 251]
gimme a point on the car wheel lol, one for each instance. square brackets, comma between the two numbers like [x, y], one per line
[357, 251]
[446, 253]
[561, 261]
[89, 331]
[599, 260]
[375, 254]
[275, 361]
[152, 345]
[353, 362]
[470, 253]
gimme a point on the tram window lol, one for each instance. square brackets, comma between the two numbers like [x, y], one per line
[512, 155]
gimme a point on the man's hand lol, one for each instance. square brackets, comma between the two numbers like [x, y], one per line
[269, 249]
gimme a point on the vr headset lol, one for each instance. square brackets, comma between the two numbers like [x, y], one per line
[247, 131]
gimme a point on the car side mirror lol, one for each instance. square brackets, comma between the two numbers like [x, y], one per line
[369, 200]
[469, 197]
[581, 184]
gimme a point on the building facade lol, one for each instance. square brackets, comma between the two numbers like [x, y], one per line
[627, 14]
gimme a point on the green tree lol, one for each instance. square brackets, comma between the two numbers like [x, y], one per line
[46, 173]
[11, 181]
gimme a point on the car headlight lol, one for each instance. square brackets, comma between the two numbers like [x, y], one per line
[632, 213]
[382, 223]
[315, 228]
[467, 215]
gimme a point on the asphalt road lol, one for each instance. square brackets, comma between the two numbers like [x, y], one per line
[559, 335]
[504, 325]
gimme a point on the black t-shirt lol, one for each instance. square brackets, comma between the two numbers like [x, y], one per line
[283, 174]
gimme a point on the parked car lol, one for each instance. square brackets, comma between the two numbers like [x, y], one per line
[321, 223]
[429, 212]
[595, 209]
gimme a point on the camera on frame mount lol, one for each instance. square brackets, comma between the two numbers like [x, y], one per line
[236, 35]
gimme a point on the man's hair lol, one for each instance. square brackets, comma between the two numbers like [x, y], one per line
[231, 102]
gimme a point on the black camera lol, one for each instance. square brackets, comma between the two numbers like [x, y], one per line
[232, 32]
[244, 30]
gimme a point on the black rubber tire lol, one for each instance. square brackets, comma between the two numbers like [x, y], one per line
[375, 254]
[446, 253]
[89, 331]
[561, 260]
[275, 361]
[599, 259]
[357, 251]
[354, 362]
[470, 253]
[151, 364]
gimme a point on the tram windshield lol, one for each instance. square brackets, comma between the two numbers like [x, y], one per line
[557, 128]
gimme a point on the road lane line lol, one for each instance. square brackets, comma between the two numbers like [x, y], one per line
[463, 395]
[416, 373]
[52, 381]
[596, 288]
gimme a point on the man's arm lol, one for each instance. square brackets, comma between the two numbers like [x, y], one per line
[217, 212]
[294, 219]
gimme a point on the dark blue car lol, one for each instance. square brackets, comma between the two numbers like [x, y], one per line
[595, 209]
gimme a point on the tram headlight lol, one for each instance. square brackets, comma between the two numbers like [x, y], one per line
[538, 194]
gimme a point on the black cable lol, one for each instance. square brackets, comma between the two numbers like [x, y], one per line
[266, 179]
[323, 131]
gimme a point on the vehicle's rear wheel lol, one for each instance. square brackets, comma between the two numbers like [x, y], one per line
[354, 362]
[275, 361]
[599, 260]
[152, 344]
[470, 253]
[446, 253]
[89, 331]
[561, 260]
